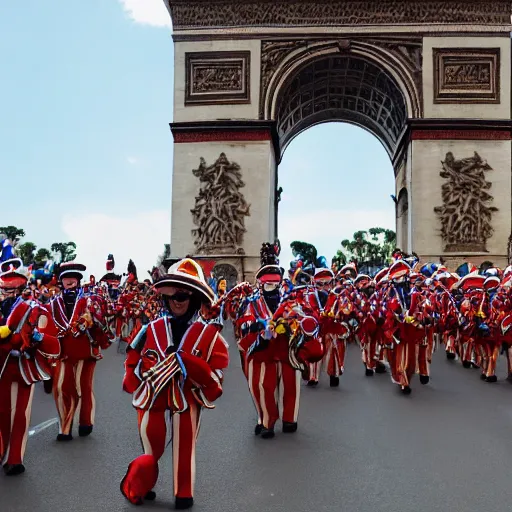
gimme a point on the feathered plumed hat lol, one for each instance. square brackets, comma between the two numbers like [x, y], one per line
[270, 269]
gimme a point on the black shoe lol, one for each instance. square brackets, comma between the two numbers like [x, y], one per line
[334, 382]
[267, 433]
[64, 437]
[312, 383]
[14, 469]
[380, 368]
[257, 429]
[424, 379]
[450, 356]
[48, 386]
[492, 378]
[84, 430]
[289, 428]
[150, 496]
[475, 366]
[482, 376]
[466, 364]
[406, 390]
[368, 372]
[183, 503]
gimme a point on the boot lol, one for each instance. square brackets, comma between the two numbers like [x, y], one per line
[48, 386]
[368, 372]
[257, 429]
[424, 379]
[64, 437]
[14, 469]
[183, 503]
[466, 364]
[406, 390]
[450, 356]
[267, 433]
[334, 382]
[150, 496]
[84, 430]
[312, 383]
[289, 428]
[491, 378]
[380, 368]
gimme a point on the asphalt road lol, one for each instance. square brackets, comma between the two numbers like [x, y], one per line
[361, 447]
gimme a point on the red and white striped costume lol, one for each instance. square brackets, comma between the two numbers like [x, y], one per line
[204, 355]
[73, 383]
[23, 362]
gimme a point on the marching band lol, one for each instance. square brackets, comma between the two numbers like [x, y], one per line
[289, 327]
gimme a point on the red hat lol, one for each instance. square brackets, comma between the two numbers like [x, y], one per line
[351, 269]
[447, 279]
[362, 281]
[399, 269]
[323, 273]
[10, 275]
[269, 274]
[492, 282]
[71, 269]
[185, 274]
[379, 276]
[472, 281]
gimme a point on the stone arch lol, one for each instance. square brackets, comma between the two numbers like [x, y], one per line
[343, 81]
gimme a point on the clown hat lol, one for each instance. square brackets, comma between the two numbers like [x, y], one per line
[349, 269]
[362, 281]
[492, 282]
[472, 281]
[322, 274]
[269, 273]
[11, 275]
[447, 279]
[186, 274]
[399, 269]
[381, 274]
[71, 269]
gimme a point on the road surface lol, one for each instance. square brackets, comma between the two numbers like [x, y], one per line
[363, 447]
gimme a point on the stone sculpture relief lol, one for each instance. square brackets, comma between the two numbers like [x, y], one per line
[466, 213]
[231, 13]
[467, 75]
[217, 77]
[220, 208]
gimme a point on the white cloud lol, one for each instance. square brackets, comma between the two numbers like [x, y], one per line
[326, 228]
[132, 160]
[147, 12]
[140, 236]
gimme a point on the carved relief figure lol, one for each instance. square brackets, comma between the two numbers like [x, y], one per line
[220, 208]
[466, 212]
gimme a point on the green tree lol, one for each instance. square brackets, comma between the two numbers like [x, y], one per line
[13, 233]
[374, 246]
[26, 252]
[64, 251]
[42, 256]
[307, 252]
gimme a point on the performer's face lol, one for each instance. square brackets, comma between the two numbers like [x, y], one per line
[68, 283]
[324, 284]
[179, 300]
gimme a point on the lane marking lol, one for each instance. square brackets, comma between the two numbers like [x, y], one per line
[42, 426]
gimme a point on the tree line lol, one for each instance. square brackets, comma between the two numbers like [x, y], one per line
[30, 254]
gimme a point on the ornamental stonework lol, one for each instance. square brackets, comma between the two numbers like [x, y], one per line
[278, 13]
[467, 210]
[467, 75]
[217, 78]
[220, 208]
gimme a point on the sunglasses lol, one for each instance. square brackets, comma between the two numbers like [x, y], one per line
[180, 296]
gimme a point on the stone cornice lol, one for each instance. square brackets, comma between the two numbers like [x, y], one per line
[206, 14]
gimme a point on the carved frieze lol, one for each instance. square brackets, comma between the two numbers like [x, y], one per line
[220, 208]
[465, 75]
[279, 13]
[217, 77]
[466, 213]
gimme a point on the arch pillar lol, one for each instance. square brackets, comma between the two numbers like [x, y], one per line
[251, 147]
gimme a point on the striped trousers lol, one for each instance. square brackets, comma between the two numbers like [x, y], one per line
[185, 429]
[73, 388]
[275, 387]
[15, 409]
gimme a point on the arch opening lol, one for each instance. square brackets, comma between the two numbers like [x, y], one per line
[346, 88]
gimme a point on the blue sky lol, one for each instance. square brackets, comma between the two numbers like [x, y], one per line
[86, 152]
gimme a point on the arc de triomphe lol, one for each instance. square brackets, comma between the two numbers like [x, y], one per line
[430, 78]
